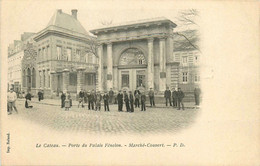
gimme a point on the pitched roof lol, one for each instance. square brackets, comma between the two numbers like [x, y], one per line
[66, 21]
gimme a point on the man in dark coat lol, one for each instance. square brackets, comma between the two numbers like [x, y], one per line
[98, 99]
[63, 97]
[81, 98]
[120, 101]
[174, 97]
[91, 99]
[28, 98]
[151, 97]
[197, 96]
[111, 96]
[106, 103]
[131, 99]
[85, 96]
[167, 96]
[126, 100]
[137, 98]
[39, 95]
[143, 100]
[180, 96]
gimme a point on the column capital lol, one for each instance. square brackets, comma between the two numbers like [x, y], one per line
[109, 43]
[53, 72]
[65, 70]
[80, 68]
[150, 39]
[162, 38]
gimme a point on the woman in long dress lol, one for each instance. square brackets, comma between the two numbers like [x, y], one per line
[28, 99]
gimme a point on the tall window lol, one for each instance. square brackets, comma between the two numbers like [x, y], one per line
[44, 53]
[125, 79]
[29, 78]
[33, 78]
[185, 77]
[59, 52]
[196, 78]
[73, 79]
[78, 55]
[69, 54]
[90, 58]
[43, 77]
[47, 53]
[90, 79]
[39, 54]
[196, 59]
[185, 60]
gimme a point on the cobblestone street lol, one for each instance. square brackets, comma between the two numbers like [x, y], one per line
[153, 120]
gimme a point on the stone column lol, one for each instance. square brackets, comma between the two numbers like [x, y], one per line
[150, 67]
[80, 79]
[52, 81]
[115, 78]
[162, 76]
[65, 77]
[47, 85]
[100, 68]
[109, 78]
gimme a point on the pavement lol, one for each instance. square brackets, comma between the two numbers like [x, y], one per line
[157, 119]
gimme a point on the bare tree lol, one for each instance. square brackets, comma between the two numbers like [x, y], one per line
[187, 20]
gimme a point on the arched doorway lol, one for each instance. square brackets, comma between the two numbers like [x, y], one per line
[132, 69]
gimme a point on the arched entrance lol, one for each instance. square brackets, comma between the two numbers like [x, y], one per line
[132, 69]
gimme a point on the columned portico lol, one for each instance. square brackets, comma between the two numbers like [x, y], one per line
[100, 67]
[109, 66]
[65, 76]
[162, 64]
[150, 66]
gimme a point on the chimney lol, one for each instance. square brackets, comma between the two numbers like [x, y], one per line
[74, 13]
[59, 11]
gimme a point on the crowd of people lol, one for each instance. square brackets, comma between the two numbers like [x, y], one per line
[94, 99]
[131, 100]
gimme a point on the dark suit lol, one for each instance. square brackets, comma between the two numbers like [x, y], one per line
[63, 97]
[91, 99]
[131, 97]
[120, 102]
[180, 96]
[174, 98]
[126, 99]
[167, 95]
[106, 105]
[143, 100]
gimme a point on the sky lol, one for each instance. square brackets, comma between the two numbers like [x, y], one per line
[33, 15]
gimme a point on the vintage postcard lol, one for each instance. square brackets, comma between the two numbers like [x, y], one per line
[130, 82]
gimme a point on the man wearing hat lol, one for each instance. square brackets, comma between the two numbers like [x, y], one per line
[131, 99]
[167, 96]
[120, 101]
[180, 96]
[11, 98]
[151, 97]
[126, 99]
[106, 99]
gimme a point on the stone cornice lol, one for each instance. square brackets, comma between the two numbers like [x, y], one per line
[135, 25]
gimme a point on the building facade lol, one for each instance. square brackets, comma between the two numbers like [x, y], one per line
[65, 60]
[137, 55]
[15, 57]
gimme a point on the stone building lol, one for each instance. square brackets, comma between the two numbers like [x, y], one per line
[15, 57]
[186, 52]
[65, 60]
[137, 55]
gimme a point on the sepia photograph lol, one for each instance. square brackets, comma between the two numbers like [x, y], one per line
[128, 82]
